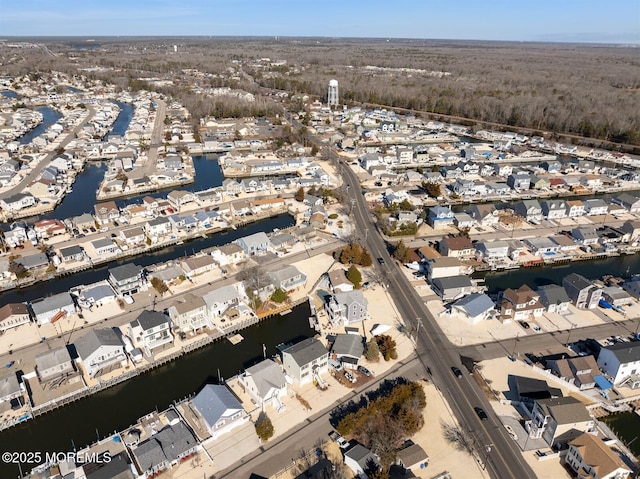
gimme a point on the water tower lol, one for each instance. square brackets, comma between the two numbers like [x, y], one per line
[332, 95]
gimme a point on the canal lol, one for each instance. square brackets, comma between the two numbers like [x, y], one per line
[115, 409]
[85, 187]
[626, 425]
[58, 285]
[49, 117]
[624, 266]
[123, 119]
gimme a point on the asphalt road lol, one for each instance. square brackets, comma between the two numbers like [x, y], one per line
[437, 354]
[35, 172]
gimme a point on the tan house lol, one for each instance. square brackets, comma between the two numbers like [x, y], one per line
[189, 314]
[456, 246]
[106, 212]
[197, 265]
[13, 315]
[591, 458]
[133, 236]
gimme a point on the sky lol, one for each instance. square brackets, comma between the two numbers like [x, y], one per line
[507, 20]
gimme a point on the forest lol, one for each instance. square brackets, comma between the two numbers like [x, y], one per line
[581, 89]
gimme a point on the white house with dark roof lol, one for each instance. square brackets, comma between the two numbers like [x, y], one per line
[629, 201]
[10, 387]
[221, 299]
[17, 202]
[585, 235]
[348, 349]
[554, 209]
[150, 330]
[621, 363]
[133, 236]
[554, 298]
[103, 246]
[360, 459]
[53, 308]
[305, 360]
[450, 288]
[595, 206]
[265, 384]
[219, 409]
[125, 279]
[559, 420]
[157, 227]
[99, 351]
[72, 253]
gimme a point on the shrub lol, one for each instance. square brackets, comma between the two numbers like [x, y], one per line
[264, 427]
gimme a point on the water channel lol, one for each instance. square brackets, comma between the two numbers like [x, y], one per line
[80, 423]
[49, 117]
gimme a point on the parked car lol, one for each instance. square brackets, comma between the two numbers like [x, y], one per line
[349, 377]
[481, 413]
[524, 324]
[456, 372]
[341, 441]
[364, 371]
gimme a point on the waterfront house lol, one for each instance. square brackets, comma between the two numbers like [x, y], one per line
[616, 296]
[542, 246]
[305, 361]
[288, 278]
[100, 351]
[13, 315]
[520, 304]
[219, 409]
[96, 294]
[554, 298]
[585, 235]
[221, 299]
[55, 364]
[17, 202]
[456, 247]
[440, 216]
[347, 307]
[265, 384]
[133, 236]
[462, 187]
[105, 246]
[559, 420]
[589, 457]
[348, 349]
[565, 243]
[629, 201]
[492, 249]
[189, 314]
[241, 207]
[231, 186]
[228, 254]
[34, 261]
[48, 228]
[149, 331]
[53, 308]
[164, 449]
[579, 371]
[255, 244]
[106, 212]
[84, 221]
[463, 221]
[72, 253]
[632, 229]
[583, 293]
[338, 281]
[621, 363]
[179, 198]
[554, 209]
[519, 181]
[474, 307]
[442, 267]
[126, 279]
[450, 288]
[551, 166]
[575, 208]
[595, 206]
[360, 460]
[530, 210]
[498, 188]
[485, 214]
[539, 182]
[11, 390]
[282, 241]
[195, 265]
[151, 205]
[157, 227]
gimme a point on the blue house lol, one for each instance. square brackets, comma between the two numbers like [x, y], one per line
[440, 216]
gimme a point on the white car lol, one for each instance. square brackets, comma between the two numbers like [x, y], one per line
[511, 432]
[128, 299]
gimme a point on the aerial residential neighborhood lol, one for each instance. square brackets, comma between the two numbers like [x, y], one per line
[317, 257]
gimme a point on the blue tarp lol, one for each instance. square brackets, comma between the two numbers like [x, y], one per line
[602, 382]
[603, 304]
